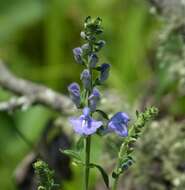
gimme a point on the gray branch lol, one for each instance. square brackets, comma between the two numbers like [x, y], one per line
[14, 103]
[31, 93]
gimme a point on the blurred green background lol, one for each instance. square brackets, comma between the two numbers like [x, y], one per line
[146, 52]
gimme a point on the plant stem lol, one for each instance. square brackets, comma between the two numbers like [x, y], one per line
[87, 162]
[115, 184]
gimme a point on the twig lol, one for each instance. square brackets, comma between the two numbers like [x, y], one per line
[22, 102]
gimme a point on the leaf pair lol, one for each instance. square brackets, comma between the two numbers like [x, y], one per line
[75, 155]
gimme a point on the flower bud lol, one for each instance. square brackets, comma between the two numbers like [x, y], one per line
[74, 91]
[94, 98]
[86, 79]
[93, 60]
[104, 72]
[125, 166]
[99, 45]
[83, 35]
[77, 52]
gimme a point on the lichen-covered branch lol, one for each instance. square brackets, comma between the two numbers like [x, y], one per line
[14, 103]
[31, 93]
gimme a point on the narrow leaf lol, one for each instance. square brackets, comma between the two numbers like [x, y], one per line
[103, 114]
[103, 173]
[71, 153]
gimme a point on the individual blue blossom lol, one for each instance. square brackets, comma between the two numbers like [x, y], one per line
[77, 52]
[94, 98]
[85, 124]
[104, 72]
[86, 78]
[119, 124]
[93, 60]
[74, 91]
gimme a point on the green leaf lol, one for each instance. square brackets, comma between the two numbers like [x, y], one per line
[98, 68]
[41, 188]
[97, 82]
[80, 144]
[103, 173]
[137, 113]
[103, 114]
[71, 153]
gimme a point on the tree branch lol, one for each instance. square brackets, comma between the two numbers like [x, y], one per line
[31, 93]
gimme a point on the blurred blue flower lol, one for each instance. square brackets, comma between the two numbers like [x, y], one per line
[104, 72]
[86, 79]
[77, 52]
[119, 124]
[74, 91]
[94, 98]
[93, 60]
[85, 124]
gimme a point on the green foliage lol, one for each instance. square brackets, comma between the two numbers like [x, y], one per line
[45, 175]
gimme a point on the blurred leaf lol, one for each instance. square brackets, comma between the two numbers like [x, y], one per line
[103, 114]
[71, 153]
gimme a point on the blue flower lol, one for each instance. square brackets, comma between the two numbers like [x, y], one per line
[104, 72]
[77, 52]
[85, 124]
[94, 98]
[93, 60]
[86, 78]
[74, 91]
[119, 124]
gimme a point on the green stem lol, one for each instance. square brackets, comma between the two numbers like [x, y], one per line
[115, 184]
[88, 140]
[87, 162]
